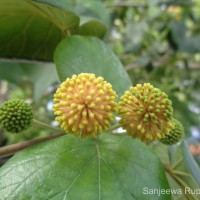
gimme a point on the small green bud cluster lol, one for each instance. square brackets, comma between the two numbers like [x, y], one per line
[15, 115]
[175, 135]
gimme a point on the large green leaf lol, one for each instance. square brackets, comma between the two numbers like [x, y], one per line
[79, 54]
[93, 16]
[73, 168]
[33, 30]
[89, 8]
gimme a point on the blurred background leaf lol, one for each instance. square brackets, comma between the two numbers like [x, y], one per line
[191, 163]
[41, 75]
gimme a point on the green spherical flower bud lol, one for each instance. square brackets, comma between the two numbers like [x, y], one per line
[175, 135]
[15, 115]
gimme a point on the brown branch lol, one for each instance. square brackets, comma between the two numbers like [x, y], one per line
[13, 148]
[132, 66]
[131, 5]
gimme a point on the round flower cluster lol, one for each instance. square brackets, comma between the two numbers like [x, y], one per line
[175, 135]
[15, 115]
[84, 104]
[146, 112]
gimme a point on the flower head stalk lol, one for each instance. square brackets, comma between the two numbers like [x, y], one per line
[84, 104]
[146, 112]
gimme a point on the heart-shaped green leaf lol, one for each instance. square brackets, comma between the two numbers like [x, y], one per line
[32, 30]
[73, 168]
[78, 54]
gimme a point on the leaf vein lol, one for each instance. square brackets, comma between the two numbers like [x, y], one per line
[78, 176]
[116, 178]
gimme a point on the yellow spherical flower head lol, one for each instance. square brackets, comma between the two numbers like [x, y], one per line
[146, 112]
[84, 104]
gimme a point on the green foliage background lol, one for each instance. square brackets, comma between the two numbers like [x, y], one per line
[127, 42]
